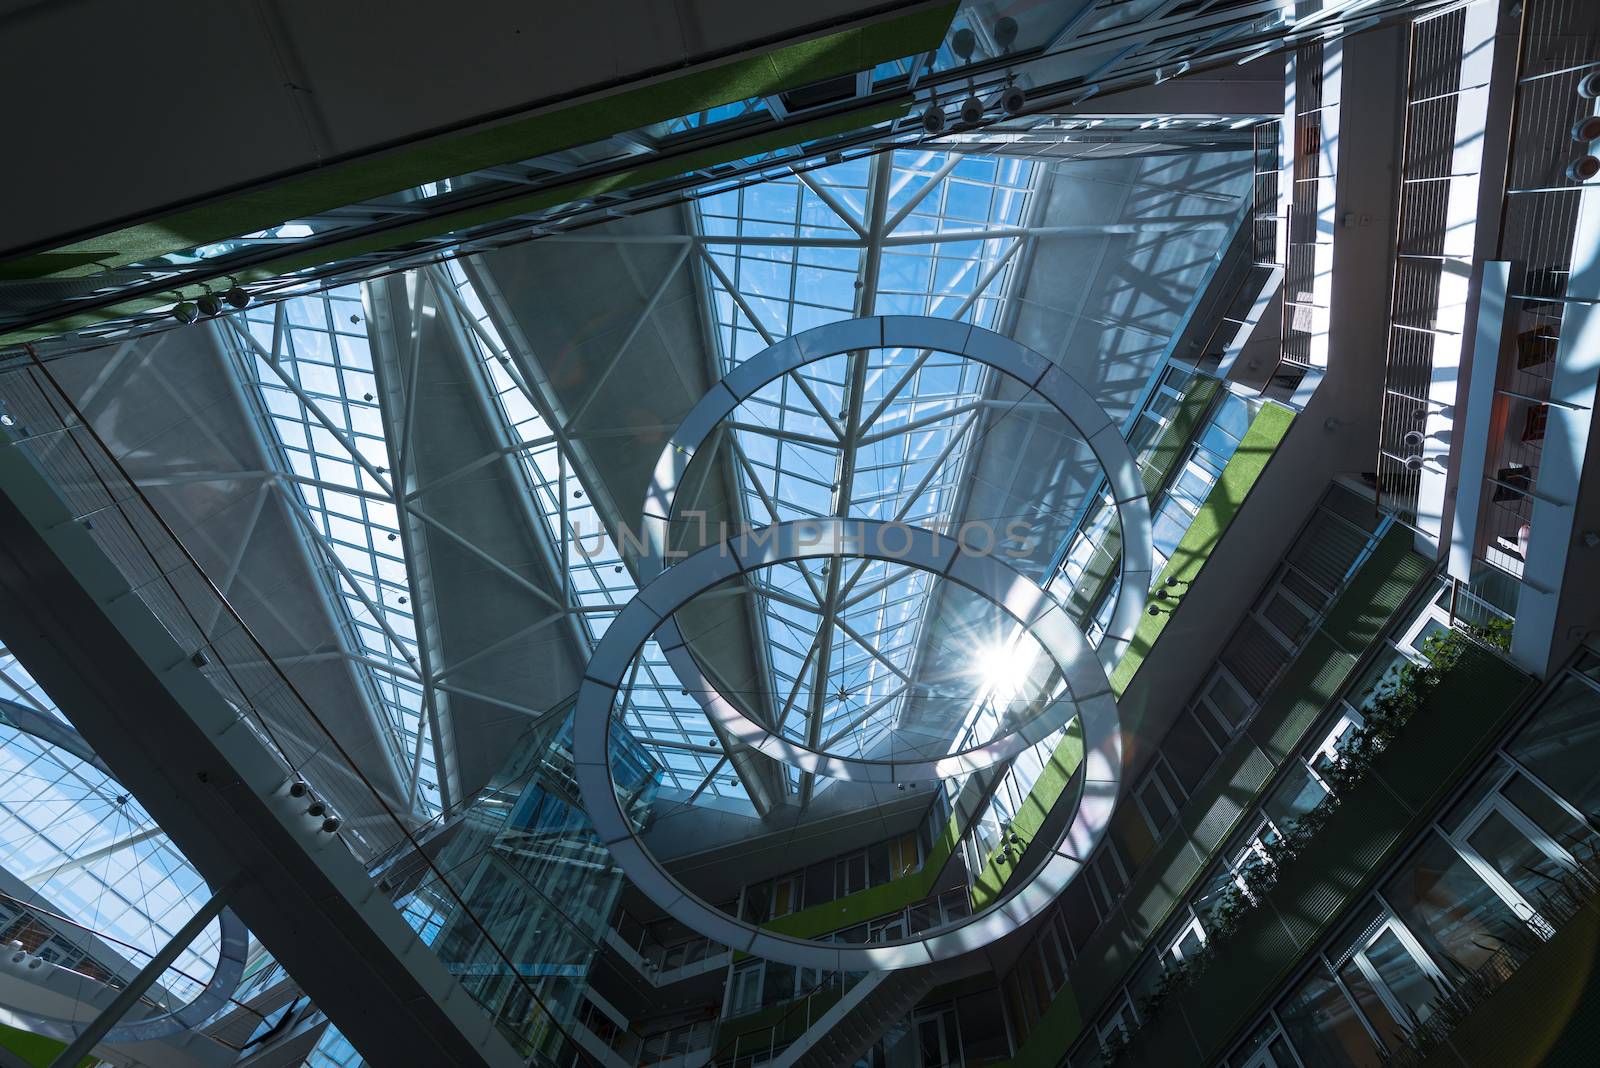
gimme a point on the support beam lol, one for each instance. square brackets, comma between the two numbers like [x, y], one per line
[131, 994]
[217, 790]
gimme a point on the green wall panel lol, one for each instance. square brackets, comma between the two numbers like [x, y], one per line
[1307, 687]
[1377, 591]
[1266, 431]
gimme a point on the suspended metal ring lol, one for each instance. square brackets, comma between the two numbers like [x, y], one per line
[1057, 387]
[233, 940]
[650, 613]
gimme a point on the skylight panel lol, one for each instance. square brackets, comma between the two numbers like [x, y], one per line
[914, 438]
[312, 367]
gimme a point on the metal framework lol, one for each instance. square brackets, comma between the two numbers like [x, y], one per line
[792, 358]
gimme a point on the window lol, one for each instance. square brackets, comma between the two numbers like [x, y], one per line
[1118, 1020]
[744, 992]
[904, 855]
[1223, 706]
[1454, 914]
[1186, 941]
[1386, 971]
[1516, 838]
[1324, 1027]
[1266, 1048]
[785, 895]
[1159, 796]
[1106, 878]
[1559, 743]
[938, 1039]
[1231, 870]
[850, 874]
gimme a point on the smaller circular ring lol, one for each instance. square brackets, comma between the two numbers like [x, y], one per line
[1051, 381]
[1028, 605]
[654, 605]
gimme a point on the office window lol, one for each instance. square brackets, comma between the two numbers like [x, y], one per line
[1386, 971]
[1324, 1026]
[744, 990]
[1223, 706]
[785, 895]
[850, 874]
[1159, 796]
[1451, 910]
[1119, 1019]
[1107, 876]
[1559, 744]
[904, 855]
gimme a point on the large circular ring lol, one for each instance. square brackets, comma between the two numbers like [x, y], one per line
[1063, 392]
[233, 940]
[651, 610]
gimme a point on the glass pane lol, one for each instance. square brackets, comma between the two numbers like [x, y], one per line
[1458, 919]
[1510, 852]
[1471, 799]
[1371, 1004]
[1401, 973]
[1294, 796]
[1562, 743]
[1228, 702]
[1554, 820]
[1323, 1027]
[1290, 620]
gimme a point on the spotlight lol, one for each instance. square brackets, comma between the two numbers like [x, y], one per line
[299, 788]
[972, 111]
[1012, 100]
[186, 312]
[1586, 130]
[210, 305]
[1005, 32]
[1589, 87]
[1414, 438]
[316, 808]
[1583, 168]
[238, 297]
[1413, 463]
[331, 824]
[963, 42]
[933, 119]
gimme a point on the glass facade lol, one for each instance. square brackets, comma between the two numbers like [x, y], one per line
[538, 886]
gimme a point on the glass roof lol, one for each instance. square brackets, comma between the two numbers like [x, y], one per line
[665, 720]
[92, 853]
[321, 403]
[792, 254]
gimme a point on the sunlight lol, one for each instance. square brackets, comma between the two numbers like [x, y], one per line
[1004, 666]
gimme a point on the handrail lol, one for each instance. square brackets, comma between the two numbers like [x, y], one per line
[227, 607]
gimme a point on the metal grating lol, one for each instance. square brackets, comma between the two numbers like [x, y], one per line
[1264, 211]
